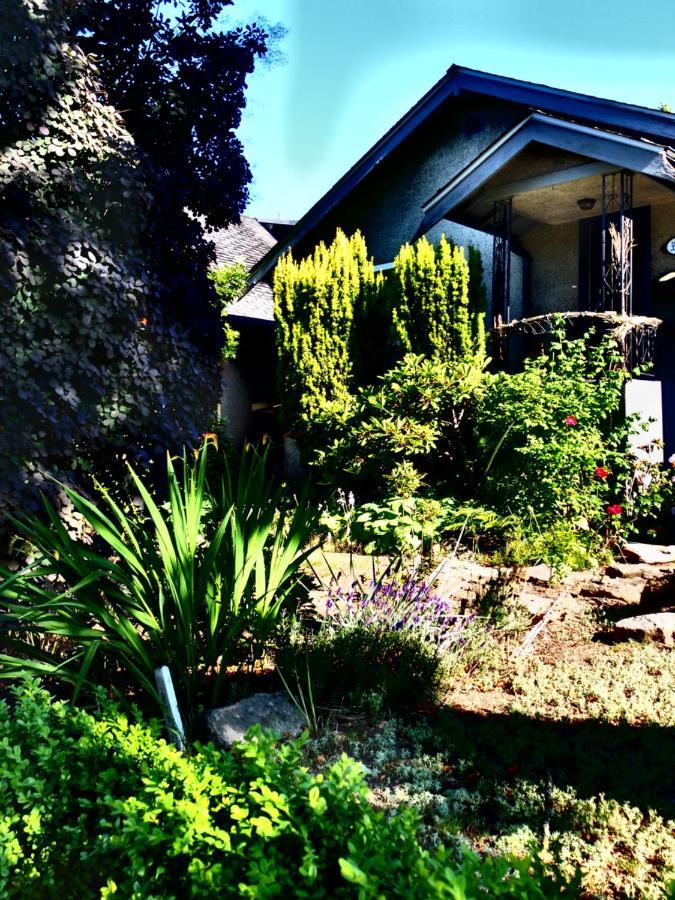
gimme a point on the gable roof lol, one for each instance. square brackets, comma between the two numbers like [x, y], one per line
[626, 118]
[618, 151]
[245, 242]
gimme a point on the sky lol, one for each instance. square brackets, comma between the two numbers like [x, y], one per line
[346, 70]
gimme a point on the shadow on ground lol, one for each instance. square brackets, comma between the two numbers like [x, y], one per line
[629, 763]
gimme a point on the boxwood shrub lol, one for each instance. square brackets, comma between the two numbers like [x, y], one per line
[102, 807]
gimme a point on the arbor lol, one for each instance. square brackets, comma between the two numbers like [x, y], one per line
[178, 81]
[109, 336]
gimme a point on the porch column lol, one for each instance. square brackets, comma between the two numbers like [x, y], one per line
[617, 242]
[501, 262]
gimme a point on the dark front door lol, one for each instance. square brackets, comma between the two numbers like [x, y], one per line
[590, 262]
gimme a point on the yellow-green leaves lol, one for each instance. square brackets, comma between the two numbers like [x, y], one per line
[432, 312]
[318, 302]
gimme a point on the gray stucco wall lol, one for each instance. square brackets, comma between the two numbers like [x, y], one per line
[464, 236]
[554, 267]
[387, 205]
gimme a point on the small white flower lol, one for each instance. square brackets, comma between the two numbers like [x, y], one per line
[671, 459]
[351, 500]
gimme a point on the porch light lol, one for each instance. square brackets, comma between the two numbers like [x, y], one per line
[586, 203]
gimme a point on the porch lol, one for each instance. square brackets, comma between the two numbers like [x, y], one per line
[586, 214]
[586, 219]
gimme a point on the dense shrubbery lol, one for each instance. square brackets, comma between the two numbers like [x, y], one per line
[436, 444]
[540, 457]
[407, 431]
[321, 305]
[431, 311]
[391, 644]
[102, 807]
[563, 445]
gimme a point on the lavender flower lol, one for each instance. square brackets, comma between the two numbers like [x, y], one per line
[407, 605]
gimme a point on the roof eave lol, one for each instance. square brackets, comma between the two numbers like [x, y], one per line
[639, 120]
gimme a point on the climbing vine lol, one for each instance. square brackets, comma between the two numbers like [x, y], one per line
[100, 319]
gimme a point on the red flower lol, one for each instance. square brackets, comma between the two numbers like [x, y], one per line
[570, 420]
[143, 322]
[601, 472]
[614, 509]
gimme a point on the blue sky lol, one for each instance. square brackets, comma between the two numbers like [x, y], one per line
[351, 68]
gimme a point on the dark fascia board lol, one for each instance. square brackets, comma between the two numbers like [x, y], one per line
[656, 125]
[639, 120]
[606, 147]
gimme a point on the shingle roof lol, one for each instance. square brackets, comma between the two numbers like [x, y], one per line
[246, 243]
[257, 303]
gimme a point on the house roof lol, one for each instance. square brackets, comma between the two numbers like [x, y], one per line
[246, 242]
[624, 118]
[257, 303]
[609, 149]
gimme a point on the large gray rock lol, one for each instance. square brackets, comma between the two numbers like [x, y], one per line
[229, 724]
[658, 627]
[651, 554]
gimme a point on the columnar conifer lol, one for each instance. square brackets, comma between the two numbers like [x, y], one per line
[432, 313]
[319, 303]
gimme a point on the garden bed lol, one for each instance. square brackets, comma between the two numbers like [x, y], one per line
[566, 748]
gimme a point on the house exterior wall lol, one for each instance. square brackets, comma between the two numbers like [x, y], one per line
[554, 267]
[387, 205]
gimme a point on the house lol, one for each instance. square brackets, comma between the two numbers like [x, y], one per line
[569, 197]
[248, 382]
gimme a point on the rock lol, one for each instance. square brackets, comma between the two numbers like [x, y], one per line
[626, 590]
[630, 570]
[658, 627]
[229, 724]
[540, 574]
[651, 554]
[659, 593]
[536, 604]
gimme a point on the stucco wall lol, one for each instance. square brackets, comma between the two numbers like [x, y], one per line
[387, 205]
[554, 267]
[464, 236]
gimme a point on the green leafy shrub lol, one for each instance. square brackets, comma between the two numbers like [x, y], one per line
[563, 448]
[101, 807]
[392, 642]
[230, 283]
[407, 525]
[431, 305]
[197, 584]
[320, 303]
[415, 417]
[355, 664]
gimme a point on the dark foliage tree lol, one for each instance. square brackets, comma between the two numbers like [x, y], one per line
[178, 80]
[109, 328]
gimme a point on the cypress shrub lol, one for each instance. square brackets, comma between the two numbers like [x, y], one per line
[319, 303]
[432, 312]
